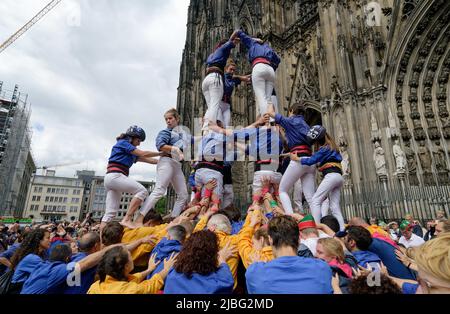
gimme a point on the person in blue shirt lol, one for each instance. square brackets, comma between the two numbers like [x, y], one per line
[288, 273]
[357, 240]
[264, 63]
[200, 267]
[123, 155]
[89, 244]
[170, 142]
[30, 255]
[231, 80]
[296, 130]
[329, 160]
[53, 276]
[213, 83]
[172, 244]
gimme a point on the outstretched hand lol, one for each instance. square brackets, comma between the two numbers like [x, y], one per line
[226, 252]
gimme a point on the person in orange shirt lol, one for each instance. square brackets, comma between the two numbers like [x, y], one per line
[254, 239]
[115, 278]
[358, 221]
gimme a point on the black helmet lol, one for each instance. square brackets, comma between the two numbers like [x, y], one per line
[135, 131]
[316, 133]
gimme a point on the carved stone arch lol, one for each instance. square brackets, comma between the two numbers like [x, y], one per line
[414, 90]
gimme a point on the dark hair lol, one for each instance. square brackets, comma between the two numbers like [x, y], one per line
[30, 245]
[177, 232]
[359, 285]
[153, 215]
[88, 241]
[60, 253]
[112, 233]
[298, 108]
[331, 222]
[262, 233]
[361, 236]
[199, 254]
[113, 264]
[233, 213]
[122, 136]
[284, 232]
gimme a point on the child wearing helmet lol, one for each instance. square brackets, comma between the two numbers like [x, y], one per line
[123, 155]
[329, 160]
[296, 130]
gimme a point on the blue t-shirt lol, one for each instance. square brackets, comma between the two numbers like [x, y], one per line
[87, 277]
[228, 87]
[386, 252]
[296, 129]
[121, 153]
[220, 56]
[259, 50]
[322, 156]
[25, 267]
[219, 282]
[169, 137]
[163, 250]
[49, 278]
[409, 288]
[289, 275]
[8, 254]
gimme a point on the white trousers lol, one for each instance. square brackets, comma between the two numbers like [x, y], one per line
[204, 175]
[298, 196]
[329, 187]
[275, 178]
[225, 113]
[168, 171]
[294, 172]
[263, 81]
[212, 88]
[228, 195]
[115, 185]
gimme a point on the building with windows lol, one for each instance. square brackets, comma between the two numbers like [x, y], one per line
[54, 198]
[16, 161]
[97, 202]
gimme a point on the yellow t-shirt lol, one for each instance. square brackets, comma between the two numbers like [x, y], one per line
[135, 285]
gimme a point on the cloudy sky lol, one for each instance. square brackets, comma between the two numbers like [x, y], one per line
[92, 68]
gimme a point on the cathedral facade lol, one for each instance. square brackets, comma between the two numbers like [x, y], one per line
[374, 73]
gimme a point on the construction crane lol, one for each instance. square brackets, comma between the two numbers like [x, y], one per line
[45, 168]
[28, 25]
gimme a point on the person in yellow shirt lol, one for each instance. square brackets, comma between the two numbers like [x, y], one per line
[114, 233]
[254, 240]
[115, 278]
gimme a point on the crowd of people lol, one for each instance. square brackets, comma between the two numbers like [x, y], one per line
[206, 245]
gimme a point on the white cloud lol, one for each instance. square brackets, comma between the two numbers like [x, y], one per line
[87, 84]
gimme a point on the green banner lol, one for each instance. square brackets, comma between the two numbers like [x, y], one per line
[13, 220]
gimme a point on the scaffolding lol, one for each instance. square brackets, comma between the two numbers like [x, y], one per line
[15, 146]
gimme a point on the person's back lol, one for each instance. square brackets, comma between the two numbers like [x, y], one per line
[196, 270]
[219, 282]
[386, 252]
[289, 275]
[51, 276]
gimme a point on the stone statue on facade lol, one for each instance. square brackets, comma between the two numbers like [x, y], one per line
[400, 158]
[336, 94]
[346, 171]
[439, 157]
[380, 160]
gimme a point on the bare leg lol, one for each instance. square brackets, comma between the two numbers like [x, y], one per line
[127, 221]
